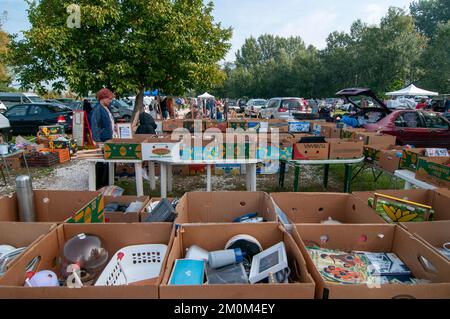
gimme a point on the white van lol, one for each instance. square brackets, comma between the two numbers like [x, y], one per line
[10, 98]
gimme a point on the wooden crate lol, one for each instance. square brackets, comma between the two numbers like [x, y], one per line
[63, 154]
[38, 159]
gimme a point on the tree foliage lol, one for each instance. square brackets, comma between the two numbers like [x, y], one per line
[381, 57]
[428, 14]
[5, 79]
[126, 45]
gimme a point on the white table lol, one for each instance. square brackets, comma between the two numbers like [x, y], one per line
[137, 168]
[298, 163]
[410, 180]
[166, 172]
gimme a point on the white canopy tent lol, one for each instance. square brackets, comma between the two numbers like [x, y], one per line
[206, 95]
[412, 90]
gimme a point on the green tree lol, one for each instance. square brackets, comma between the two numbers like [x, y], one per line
[5, 79]
[428, 14]
[127, 45]
[436, 61]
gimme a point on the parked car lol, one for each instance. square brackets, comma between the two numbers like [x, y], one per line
[438, 103]
[10, 99]
[254, 106]
[121, 110]
[370, 108]
[415, 127]
[283, 108]
[5, 127]
[65, 100]
[2, 107]
[242, 103]
[75, 105]
[232, 105]
[26, 118]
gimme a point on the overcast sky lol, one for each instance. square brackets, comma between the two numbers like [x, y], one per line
[312, 20]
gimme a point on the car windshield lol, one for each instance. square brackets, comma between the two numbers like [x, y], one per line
[292, 104]
[35, 99]
[364, 101]
[259, 102]
[57, 108]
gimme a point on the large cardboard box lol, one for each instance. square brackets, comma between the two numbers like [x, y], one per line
[434, 170]
[330, 131]
[410, 158]
[438, 199]
[434, 234]
[123, 149]
[281, 126]
[350, 132]
[345, 148]
[161, 147]
[121, 217]
[22, 235]
[390, 160]
[171, 125]
[238, 124]
[310, 151]
[50, 206]
[301, 208]
[376, 238]
[114, 237]
[223, 207]
[371, 138]
[214, 237]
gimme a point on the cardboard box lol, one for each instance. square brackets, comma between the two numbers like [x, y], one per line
[350, 132]
[171, 125]
[281, 126]
[305, 208]
[50, 206]
[238, 124]
[376, 238]
[372, 152]
[345, 148]
[410, 158]
[123, 149]
[330, 131]
[114, 237]
[214, 124]
[438, 199]
[371, 138]
[310, 151]
[223, 207]
[22, 235]
[214, 237]
[121, 217]
[258, 126]
[227, 169]
[434, 170]
[390, 160]
[161, 147]
[194, 125]
[434, 234]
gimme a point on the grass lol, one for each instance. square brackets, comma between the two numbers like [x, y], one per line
[311, 180]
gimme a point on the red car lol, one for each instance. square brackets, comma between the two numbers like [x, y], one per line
[415, 127]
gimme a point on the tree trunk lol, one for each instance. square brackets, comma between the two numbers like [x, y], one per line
[138, 107]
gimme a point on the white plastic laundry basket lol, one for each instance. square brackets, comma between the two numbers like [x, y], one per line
[140, 262]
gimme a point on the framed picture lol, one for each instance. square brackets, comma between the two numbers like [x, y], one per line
[124, 130]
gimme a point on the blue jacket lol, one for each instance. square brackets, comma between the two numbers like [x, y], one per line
[101, 126]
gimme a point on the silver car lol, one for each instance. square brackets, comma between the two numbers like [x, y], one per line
[254, 106]
[283, 108]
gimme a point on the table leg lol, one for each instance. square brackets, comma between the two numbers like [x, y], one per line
[151, 175]
[296, 178]
[326, 169]
[169, 178]
[111, 174]
[6, 169]
[208, 178]
[92, 186]
[253, 185]
[281, 174]
[163, 180]
[348, 178]
[139, 181]
[247, 177]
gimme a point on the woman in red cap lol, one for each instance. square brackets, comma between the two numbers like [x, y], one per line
[102, 126]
